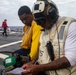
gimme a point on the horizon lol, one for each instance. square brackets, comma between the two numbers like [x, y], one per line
[9, 9]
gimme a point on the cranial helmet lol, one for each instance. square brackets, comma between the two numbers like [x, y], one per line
[45, 8]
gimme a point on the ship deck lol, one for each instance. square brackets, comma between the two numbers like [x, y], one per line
[10, 43]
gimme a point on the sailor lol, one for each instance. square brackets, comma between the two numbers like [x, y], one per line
[57, 51]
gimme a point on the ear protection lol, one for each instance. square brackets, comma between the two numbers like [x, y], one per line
[51, 11]
[46, 8]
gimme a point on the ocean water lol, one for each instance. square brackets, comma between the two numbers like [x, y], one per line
[16, 28]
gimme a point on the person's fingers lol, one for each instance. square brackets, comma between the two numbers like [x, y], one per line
[24, 66]
[25, 72]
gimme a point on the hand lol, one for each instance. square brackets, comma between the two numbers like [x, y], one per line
[26, 59]
[25, 66]
[31, 70]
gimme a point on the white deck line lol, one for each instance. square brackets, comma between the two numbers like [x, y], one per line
[5, 45]
[3, 56]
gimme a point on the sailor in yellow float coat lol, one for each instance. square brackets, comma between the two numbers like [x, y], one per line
[32, 31]
[30, 40]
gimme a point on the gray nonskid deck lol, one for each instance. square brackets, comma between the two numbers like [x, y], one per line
[8, 40]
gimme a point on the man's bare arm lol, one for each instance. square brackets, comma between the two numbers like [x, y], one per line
[60, 63]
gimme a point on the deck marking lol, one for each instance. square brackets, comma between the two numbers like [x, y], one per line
[5, 45]
[3, 56]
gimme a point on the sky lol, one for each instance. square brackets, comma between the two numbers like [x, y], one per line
[9, 9]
